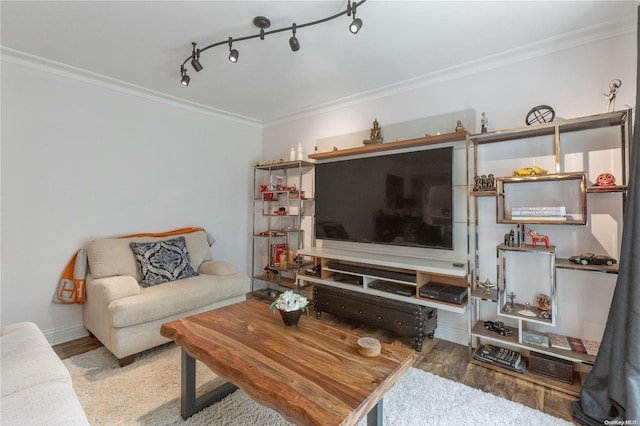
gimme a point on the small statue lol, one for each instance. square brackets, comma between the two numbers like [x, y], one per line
[510, 239]
[491, 183]
[375, 136]
[459, 127]
[477, 186]
[614, 85]
[509, 307]
[483, 123]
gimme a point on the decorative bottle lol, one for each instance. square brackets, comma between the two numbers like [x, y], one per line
[300, 152]
[292, 154]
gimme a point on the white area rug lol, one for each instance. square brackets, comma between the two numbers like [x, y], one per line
[147, 392]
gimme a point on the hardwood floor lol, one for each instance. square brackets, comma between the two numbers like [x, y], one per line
[440, 357]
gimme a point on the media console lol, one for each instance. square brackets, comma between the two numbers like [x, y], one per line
[394, 277]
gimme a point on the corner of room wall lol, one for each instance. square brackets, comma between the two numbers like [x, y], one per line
[85, 157]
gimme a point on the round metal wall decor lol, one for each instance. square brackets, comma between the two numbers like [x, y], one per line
[540, 114]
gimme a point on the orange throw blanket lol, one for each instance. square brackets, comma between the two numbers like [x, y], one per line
[71, 284]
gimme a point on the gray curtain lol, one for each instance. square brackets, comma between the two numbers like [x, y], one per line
[611, 393]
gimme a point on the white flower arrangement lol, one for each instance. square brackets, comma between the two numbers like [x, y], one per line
[290, 301]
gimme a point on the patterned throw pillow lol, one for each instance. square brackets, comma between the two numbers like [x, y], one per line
[163, 261]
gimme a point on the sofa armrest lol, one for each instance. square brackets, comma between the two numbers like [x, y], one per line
[217, 267]
[112, 288]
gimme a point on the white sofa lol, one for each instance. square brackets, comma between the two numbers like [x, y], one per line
[36, 386]
[126, 317]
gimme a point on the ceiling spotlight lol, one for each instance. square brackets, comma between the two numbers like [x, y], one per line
[195, 59]
[356, 24]
[293, 41]
[185, 78]
[233, 53]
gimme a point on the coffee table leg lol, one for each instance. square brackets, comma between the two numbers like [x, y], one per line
[374, 418]
[189, 404]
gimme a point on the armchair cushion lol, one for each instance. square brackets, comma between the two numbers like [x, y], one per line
[163, 261]
[113, 256]
[217, 267]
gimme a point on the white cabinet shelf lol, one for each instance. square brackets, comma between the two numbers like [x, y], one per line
[359, 271]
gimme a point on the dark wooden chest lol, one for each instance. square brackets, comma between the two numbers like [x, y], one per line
[403, 318]
[547, 365]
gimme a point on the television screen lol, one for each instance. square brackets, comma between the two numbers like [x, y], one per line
[399, 199]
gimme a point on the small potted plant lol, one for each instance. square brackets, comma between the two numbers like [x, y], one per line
[290, 305]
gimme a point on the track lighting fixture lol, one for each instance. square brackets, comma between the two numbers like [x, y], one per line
[233, 53]
[185, 78]
[356, 24]
[262, 23]
[293, 41]
[195, 59]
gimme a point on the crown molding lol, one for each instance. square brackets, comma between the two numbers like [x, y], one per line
[46, 65]
[570, 40]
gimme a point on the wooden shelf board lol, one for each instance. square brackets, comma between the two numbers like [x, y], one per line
[540, 247]
[601, 189]
[285, 165]
[567, 264]
[532, 319]
[481, 332]
[409, 143]
[572, 389]
[480, 293]
[435, 266]
[609, 119]
[492, 193]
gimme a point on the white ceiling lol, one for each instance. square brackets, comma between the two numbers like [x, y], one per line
[144, 42]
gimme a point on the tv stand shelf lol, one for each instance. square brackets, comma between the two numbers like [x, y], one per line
[393, 277]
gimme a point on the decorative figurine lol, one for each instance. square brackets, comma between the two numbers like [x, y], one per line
[459, 127]
[535, 237]
[510, 307]
[484, 183]
[375, 136]
[543, 302]
[510, 238]
[484, 122]
[605, 179]
[614, 85]
[540, 114]
[488, 285]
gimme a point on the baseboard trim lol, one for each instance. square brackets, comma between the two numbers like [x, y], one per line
[62, 335]
[452, 334]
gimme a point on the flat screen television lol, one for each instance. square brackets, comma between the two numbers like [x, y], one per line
[402, 199]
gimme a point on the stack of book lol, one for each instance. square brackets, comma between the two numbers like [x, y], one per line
[539, 213]
[574, 344]
[501, 357]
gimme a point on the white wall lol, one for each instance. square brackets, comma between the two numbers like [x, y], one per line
[570, 78]
[82, 159]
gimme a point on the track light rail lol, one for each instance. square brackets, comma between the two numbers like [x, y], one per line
[350, 10]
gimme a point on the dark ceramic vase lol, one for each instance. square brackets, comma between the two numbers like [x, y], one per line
[290, 318]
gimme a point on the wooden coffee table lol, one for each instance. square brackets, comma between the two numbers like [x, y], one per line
[310, 374]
